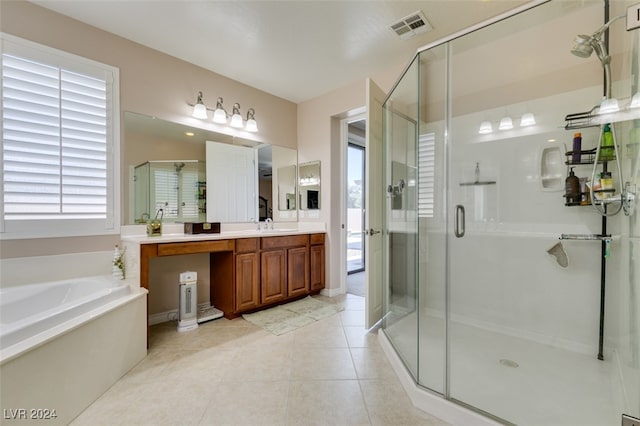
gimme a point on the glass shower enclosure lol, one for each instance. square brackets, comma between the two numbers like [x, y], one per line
[175, 190]
[501, 291]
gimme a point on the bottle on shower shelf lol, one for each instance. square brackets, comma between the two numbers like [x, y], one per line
[577, 147]
[572, 189]
[607, 150]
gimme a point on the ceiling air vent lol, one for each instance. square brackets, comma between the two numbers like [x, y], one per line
[411, 25]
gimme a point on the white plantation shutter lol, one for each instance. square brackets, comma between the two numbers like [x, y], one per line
[166, 192]
[58, 143]
[176, 193]
[426, 174]
[190, 194]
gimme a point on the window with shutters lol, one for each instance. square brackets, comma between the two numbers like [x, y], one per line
[59, 143]
[426, 174]
[176, 193]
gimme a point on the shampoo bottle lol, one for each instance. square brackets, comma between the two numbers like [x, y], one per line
[607, 150]
[572, 189]
[577, 147]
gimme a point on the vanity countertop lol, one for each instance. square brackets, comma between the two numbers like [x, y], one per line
[173, 233]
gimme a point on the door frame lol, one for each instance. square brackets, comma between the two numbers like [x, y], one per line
[365, 187]
[358, 115]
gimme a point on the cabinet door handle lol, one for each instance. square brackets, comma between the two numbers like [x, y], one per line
[459, 226]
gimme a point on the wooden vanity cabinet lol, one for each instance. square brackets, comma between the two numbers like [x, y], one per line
[247, 266]
[273, 282]
[284, 267]
[266, 271]
[316, 263]
[297, 271]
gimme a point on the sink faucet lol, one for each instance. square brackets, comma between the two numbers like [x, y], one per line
[257, 222]
[268, 223]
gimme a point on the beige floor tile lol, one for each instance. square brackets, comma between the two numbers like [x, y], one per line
[353, 303]
[312, 363]
[352, 318]
[358, 337]
[111, 407]
[229, 372]
[259, 364]
[153, 366]
[372, 363]
[326, 403]
[320, 334]
[389, 405]
[248, 403]
[204, 365]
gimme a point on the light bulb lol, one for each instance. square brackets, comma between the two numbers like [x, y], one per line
[200, 111]
[219, 116]
[485, 128]
[527, 119]
[251, 126]
[506, 124]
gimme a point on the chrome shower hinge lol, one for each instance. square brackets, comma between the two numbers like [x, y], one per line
[628, 197]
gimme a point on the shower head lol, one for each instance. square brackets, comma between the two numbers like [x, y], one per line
[582, 47]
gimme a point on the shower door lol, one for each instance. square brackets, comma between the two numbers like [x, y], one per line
[523, 329]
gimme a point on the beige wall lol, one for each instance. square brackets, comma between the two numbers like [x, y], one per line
[151, 83]
[319, 138]
[156, 84]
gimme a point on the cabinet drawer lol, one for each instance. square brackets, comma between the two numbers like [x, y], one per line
[170, 249]
[284, 242]
[317, 238]
[244, 245]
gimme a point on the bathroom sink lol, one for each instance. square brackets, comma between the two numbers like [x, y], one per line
[278, 231]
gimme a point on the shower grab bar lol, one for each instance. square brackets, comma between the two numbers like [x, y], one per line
[585, 237]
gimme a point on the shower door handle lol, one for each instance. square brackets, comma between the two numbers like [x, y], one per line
[459, 221]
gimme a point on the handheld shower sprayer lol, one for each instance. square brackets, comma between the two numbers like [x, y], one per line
[583, 47]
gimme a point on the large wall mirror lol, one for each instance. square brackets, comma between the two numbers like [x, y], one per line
[155, 152]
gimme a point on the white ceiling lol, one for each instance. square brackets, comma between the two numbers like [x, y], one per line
[296, 50]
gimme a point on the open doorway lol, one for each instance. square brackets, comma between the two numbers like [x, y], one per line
[355, 207]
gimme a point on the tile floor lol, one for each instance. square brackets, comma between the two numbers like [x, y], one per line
[234, 373]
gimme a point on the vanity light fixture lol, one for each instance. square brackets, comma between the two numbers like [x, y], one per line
[251, 126]
[199, 110]
[485, 128]
[527, 119]
[236, 118]
[309, 180]
[220, 115]
[506, 123]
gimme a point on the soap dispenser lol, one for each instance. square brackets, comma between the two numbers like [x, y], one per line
[572, 189]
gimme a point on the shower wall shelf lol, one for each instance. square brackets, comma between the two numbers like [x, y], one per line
[580, 121]
[594, 118]
[478, 181]
[585, 237]
[587, 157]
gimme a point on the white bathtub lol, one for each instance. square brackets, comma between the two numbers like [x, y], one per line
[64, 343]
[29, 312]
